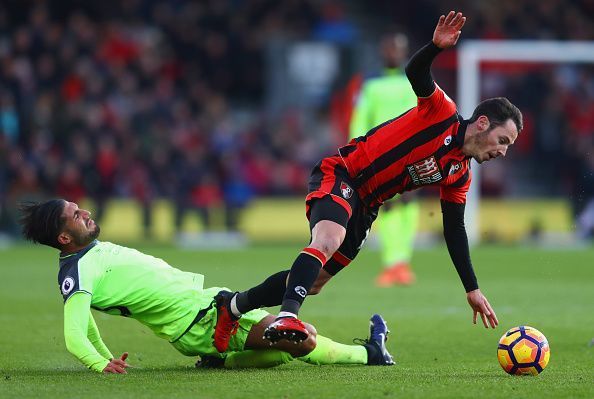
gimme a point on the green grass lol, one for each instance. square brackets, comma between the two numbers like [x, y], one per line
[439, 352]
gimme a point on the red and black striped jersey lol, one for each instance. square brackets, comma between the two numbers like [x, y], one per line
[421, 147]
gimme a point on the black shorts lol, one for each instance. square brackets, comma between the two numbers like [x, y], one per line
[332, 197]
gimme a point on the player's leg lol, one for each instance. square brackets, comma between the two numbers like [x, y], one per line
[357, 229]
[272, 290]
[324, 187]
[326, 351]
[256, 340]
[328, 233]
[329, 206]
[269, 293]
[397, 230]
[254, 358]
[258, 353]
[328, 221]
[252, 350]
[372, 350]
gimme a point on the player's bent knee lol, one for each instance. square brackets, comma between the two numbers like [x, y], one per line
[327, 236]
[327, 244]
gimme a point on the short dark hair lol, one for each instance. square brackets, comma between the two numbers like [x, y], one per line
[498, 110]
[43, 222]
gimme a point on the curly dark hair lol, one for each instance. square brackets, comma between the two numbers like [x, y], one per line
[43, 222]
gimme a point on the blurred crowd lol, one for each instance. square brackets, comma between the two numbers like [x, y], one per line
[555, 154]
[145, 99]
[557, 99]
[163, 99]
[495, 19]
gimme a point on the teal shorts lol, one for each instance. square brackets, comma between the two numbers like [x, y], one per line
[199, 340]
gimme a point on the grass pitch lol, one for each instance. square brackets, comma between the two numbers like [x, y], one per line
[439, 352]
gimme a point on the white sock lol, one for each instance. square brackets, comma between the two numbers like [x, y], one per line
[233, 306]
[286, 314]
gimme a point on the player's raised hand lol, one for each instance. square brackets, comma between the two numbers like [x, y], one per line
[448, 29]
[117, 366]
[480, 305]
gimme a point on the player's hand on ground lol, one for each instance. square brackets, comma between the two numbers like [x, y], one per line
[480, 305]
[448, 30]
[117, 366]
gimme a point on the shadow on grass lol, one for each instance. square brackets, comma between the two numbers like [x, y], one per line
[139, 371]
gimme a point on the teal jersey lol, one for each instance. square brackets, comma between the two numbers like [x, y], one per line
[124, 281]
[381, 99]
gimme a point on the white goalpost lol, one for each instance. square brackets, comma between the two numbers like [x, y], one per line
[470, 54]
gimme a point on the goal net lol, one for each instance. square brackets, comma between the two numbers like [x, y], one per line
[471, 54]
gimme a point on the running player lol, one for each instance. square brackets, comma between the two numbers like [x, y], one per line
[427, 145]
[172, 303]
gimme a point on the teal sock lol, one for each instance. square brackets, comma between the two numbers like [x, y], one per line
[330, 352]
[261, 358]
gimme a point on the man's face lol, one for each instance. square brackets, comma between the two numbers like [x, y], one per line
[492, 143]
[394, 50]
[79, 228]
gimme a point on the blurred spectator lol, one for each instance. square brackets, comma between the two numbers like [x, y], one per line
[9, 120]
[69, 184]
[585, 218]
[333, 25]
[583, 186]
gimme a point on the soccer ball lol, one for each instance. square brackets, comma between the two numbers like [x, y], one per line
[523, 350]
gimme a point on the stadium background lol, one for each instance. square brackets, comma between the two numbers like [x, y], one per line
[151, 112]
[169, 119]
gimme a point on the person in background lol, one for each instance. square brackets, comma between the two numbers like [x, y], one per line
[382, 98]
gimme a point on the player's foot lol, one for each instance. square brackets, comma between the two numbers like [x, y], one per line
[210, 362]
[227, 323]
[289, 328]
[377, 354]
[399, 274]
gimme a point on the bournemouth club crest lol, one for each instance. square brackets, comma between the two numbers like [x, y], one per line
[424, 172]
[346, 190]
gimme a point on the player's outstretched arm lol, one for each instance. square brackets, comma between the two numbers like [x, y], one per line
[76, 323]
[418, 69]
[448, 30]
[457, 242]
[480, 305]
